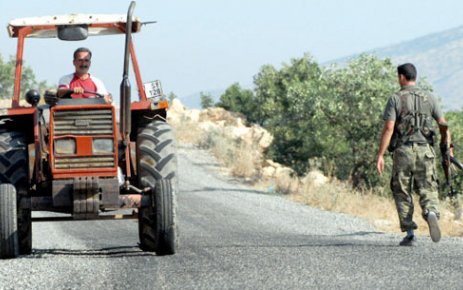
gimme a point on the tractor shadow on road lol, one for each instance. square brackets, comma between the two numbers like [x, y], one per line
[110, 252]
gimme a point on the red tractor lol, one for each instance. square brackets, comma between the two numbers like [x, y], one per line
[69, 156]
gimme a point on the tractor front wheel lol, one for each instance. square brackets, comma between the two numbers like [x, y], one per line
[157, 169]
[9, 246]
[156, 222]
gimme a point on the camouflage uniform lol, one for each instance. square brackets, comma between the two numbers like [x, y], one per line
[414, 166]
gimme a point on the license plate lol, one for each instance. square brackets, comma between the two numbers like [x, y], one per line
[153, 89]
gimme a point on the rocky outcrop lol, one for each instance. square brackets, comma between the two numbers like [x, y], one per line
[234, 128]
[232, 125]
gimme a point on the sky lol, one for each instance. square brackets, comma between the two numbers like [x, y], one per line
[207, 45]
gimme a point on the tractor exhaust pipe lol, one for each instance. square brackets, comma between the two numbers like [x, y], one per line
[125, 118]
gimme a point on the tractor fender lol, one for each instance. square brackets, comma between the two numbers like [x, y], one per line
[23, 119]
[144, 112]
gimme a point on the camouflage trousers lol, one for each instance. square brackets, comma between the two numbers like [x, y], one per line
[414, 170]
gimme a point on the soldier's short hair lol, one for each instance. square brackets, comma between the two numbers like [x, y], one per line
[82, 49]
[408, 70]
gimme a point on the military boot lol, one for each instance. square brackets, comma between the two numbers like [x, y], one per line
[408, 241]
[434, 230]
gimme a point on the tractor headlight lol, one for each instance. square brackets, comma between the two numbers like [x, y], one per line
[103, 146]
[65, 146]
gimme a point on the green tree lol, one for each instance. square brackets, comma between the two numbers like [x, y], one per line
[7, 75]
[455, 121]
[353, 107]
[207, 100]
[240, 100]
[289, 106]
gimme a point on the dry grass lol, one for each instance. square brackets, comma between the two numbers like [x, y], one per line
[242, 160]
[338, 197]
[187, 131]
[286, 184]
[6, 103]
[238, 157]
[380, 211]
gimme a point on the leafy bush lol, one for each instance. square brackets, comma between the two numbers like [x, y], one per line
[329, 118]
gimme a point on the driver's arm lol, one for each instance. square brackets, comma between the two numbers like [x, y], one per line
[64, 84]
[63, 91]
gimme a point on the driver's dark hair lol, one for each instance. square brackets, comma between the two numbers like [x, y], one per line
[408, 70]
[82, 49]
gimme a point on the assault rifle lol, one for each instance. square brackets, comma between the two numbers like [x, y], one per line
[447, 158]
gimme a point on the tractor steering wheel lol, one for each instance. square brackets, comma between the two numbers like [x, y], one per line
[68, 94]
[94, 93]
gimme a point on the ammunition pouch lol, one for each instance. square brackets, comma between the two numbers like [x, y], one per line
[398, 139]
[413, 122]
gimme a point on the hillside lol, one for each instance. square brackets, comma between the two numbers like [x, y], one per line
[439, 58]
[193, 101]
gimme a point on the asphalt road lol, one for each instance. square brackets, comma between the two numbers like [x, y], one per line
[233, 237]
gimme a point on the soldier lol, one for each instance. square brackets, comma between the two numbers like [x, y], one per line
[409, 132]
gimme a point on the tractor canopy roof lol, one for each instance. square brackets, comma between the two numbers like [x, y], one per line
[93, 24]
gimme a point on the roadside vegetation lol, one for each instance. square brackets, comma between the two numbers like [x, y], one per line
[325, 120]
[246, 161]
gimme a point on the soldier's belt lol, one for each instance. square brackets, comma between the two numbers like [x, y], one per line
[414, 144]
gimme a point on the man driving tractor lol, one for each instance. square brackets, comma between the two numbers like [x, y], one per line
[81, 84]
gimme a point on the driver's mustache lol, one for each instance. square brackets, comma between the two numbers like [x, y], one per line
[83, 66]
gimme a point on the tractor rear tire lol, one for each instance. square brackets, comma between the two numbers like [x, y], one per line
[9, 246]
[14, 170]
[157, 169]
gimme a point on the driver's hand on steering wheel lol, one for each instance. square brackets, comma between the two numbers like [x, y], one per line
[78, 90]
[108, 98]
